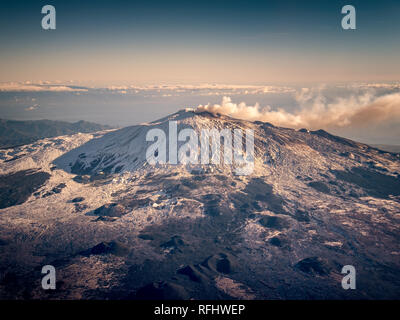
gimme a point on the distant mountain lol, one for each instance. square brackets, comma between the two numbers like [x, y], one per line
[387, 147]
[14, 133]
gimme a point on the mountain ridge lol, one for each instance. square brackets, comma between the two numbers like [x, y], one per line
[20, 132]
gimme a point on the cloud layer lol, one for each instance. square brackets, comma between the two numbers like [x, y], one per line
[161, 90]
[315, 112]
[38, 87]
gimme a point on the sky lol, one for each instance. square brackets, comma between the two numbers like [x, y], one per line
[199, 41]
[125, 62]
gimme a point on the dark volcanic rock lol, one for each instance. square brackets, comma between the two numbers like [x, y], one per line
[212, 205]
[111, 210]
[274, 222]
[374, 183]
[135, 203]
[79, 207]
[319, 186]
[145, 236]
[192, 272]
[205, 271]
[59, 187]
[113, 247]
[78, 199]
[313, 265]
[256, 194]
[301, 216]
[56, 189]
[222, 263]
[9, 280]
[275, 241]
[118, 169]
[106, 219]
[80, 168]
[82, 179]
[14, 158]
[17, 187]
[175, 242]
[162, 291]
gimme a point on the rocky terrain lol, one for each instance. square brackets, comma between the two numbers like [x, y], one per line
[115, 227]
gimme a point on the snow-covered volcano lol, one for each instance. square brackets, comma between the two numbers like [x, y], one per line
[277, 150]
[115, 226]
[125, 150]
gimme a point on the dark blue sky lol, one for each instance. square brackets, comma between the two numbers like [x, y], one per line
[192, 41]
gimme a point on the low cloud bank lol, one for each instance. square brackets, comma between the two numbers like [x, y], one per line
[315, 112]
[38, 87]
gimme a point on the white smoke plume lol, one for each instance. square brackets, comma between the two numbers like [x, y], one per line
[315, 112]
